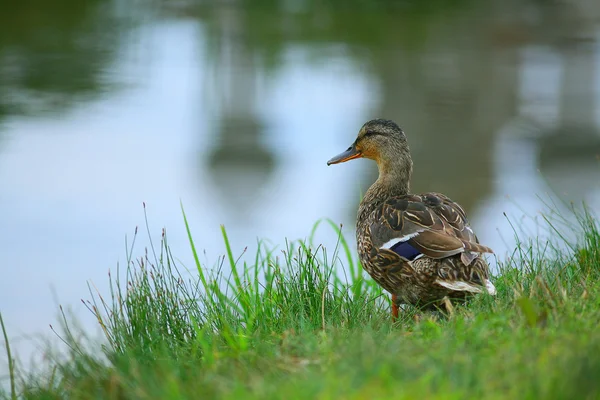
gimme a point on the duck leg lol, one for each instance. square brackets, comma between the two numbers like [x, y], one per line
[394, 308]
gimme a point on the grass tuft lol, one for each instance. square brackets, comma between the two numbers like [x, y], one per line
[11, 364]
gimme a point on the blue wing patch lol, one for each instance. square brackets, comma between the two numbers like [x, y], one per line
[406, 250]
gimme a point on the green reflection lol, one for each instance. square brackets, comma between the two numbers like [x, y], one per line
[54, 53]
[269, 27]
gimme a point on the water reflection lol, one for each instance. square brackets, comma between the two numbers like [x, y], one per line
[53, 55]
[240, 164]
[236, 106]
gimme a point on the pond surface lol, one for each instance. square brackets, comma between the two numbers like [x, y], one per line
[233, 110]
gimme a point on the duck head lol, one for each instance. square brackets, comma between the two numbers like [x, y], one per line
[381, 140]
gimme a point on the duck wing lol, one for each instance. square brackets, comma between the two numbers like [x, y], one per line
[429, 224]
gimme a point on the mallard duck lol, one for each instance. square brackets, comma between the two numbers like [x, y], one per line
[418, 247]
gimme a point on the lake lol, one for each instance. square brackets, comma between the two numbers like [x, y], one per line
[232, 109]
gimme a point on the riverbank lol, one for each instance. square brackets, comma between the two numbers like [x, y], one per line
[303, 323]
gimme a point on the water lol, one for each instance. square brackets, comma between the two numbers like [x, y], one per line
[234, 108]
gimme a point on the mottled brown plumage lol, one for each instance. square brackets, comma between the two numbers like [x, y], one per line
[420, 247]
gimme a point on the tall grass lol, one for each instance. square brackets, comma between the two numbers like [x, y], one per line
[304, 323]
[162, 307]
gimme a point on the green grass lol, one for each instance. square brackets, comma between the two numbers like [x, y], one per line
[304, 323]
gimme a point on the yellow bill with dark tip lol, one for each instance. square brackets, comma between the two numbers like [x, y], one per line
[350, 154]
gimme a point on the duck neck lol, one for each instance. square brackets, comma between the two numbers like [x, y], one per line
[394, 176]
[394, 180]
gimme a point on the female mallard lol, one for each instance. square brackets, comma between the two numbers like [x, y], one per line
[419, 248]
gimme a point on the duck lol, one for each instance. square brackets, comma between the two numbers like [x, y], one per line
[419, 247]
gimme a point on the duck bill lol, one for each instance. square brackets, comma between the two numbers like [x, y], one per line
[347, 155]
